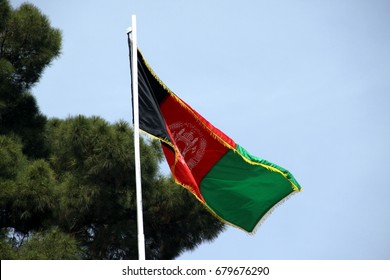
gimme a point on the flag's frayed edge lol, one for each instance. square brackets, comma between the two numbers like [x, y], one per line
[270, 211]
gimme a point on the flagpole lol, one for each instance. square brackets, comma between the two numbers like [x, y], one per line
[137, 158]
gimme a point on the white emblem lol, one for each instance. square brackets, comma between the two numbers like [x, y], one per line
[190, 142]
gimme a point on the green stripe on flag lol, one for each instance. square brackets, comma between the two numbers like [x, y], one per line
[242, 193]
[273, 167]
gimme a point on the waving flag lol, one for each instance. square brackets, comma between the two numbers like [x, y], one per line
[234, 185]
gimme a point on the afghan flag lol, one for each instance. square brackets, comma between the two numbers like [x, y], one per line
[234, 185]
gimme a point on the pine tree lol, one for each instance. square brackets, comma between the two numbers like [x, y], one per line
[27, 45]
[96, 163]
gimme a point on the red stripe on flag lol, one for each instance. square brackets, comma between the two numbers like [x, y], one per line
[200, 144]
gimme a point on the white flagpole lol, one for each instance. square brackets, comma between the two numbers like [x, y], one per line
[134, 70]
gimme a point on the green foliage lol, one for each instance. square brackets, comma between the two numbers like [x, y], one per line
[27, 188]
[50, 245]
[6, 251]
[21, 117]
[28, 44]
[67, 187]
[5, 10]
[98, 152]
[182, 224]
[12, 158]
[35, 195]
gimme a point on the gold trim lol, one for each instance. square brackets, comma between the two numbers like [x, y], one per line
[221, 141]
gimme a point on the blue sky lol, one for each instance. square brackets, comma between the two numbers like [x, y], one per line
[303, 84]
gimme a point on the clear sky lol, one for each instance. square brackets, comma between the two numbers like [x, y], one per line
[304, 84]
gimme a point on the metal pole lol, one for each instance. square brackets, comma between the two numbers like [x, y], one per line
[137, 158]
